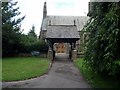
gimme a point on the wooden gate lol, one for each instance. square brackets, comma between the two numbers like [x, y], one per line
[60, 48]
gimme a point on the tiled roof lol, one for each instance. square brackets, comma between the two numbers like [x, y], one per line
[80, 21]
[62, 31]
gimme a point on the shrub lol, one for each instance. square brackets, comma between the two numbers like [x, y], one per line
[103, 46]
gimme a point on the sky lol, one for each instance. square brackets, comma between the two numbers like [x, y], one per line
[33, 10]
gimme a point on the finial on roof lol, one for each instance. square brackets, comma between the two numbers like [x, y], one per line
[45, 10]
[49, 22]
[45, 2]
[74, 23]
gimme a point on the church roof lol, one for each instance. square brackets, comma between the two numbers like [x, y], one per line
[80, 21]
[62, 31]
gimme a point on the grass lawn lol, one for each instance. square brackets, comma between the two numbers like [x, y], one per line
[96, 80]
[21, 68]
[0, 69]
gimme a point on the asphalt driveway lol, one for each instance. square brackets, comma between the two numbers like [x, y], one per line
[62, 74]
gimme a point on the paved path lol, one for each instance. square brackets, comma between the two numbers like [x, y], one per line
[63, 74]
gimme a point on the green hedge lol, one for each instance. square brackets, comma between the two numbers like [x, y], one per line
[103, 47]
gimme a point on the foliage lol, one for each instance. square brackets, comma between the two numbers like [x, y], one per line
[21, 68]
[10, 28]
[30, 44]
[41, 46]
[103, 47]
[96, 80]
[13, 41]
[32, 32]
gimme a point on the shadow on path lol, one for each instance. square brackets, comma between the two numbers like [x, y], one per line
[62, 57]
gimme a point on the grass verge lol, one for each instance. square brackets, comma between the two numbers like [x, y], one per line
[21, 68]
[96, 80]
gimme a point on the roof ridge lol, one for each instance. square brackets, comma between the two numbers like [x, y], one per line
[64, 16]
[62, 25]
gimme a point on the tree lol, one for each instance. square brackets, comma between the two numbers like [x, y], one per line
[10, 28]
[103, 47]
[32, 32]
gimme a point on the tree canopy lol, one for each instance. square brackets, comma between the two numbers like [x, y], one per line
[32, 32]
[103, 47]
[10, 28]
[13, 41]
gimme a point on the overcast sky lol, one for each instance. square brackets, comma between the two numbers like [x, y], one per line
[33, 9]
